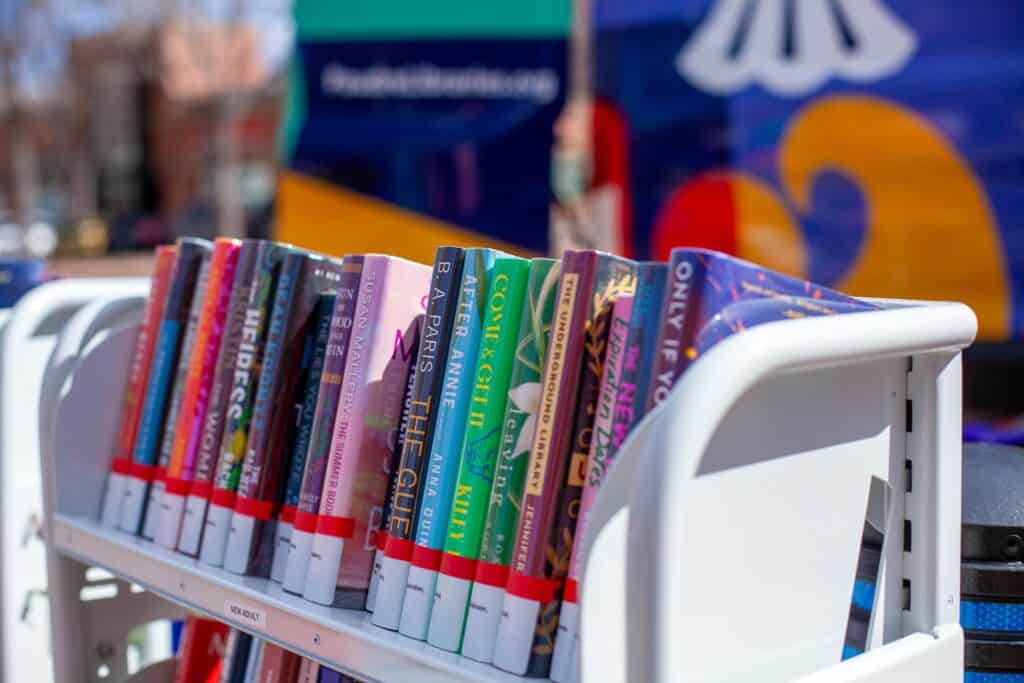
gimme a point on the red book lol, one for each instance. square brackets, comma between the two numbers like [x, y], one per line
[135, 391]
[278, 665]
[201, 650]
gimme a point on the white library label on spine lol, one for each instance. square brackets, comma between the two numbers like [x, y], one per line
[152, 521]
[131, 504]
[561, 659]
[111, 515]
[515, 634]
[192, 525]
[448, 615]
[172, 507]
[371, 594]
[482, 622]
[297, 567]
[215, 535]
[324, 562]
[419, 598]
[387, 609]
[282, 547]
[240, 535]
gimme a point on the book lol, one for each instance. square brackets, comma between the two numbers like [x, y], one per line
[135, 388]
[309, 671]
[302, 278]
[590, 283]
[517, 432]
[446, 445]
[244, 381]
[252, 664]
[313, 473]
[313, 356]
[638, 364]
[202, 648]
[391, 296]
[710, 295]
[482, 439]
[189, 256]
[601, 455]
[201, 487]
[236, 656]
[380, 540]
[151, 520]
[278, 665]
[200, 368]
[436, 337]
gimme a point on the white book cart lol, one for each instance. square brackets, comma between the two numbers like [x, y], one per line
[725, 543]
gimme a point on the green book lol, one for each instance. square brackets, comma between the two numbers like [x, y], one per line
[517, 424]
[502, 311]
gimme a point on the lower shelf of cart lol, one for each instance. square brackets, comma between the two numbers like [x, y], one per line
[343, 639]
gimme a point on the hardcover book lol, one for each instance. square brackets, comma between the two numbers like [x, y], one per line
[135, 388]
[436, 336]
[200, 368]
[237, 656]
[188, 259]
[301, 280]
[380, 540]
[313, 473]
[156, 491]
[488, 397]
[601, 454]
[203, 646]
[201, 487]
[241, 395]
[638, 364]
[446, 445]
[309, 671]
[590, 283]
[313, 357]
[278, 665]
[391, 296]
[711, 295]
[517, 432]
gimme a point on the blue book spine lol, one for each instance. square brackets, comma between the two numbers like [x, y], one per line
[453, 406]
[642, 338]
[168, 348]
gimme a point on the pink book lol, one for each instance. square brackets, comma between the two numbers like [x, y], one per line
[602, 453]
[392, 295]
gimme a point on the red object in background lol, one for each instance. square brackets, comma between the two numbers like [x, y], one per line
[610, 138]
[702, 213]
[201, 650]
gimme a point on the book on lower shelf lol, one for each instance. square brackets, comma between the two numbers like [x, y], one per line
[425, 443]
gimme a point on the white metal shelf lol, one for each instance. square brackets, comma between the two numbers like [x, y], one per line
[342, 639]
[723, 545]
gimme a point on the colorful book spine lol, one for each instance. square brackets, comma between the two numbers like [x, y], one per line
[678, 322]
[316, 352]
[380, 540]
[278, 665]
[446, 446]
[437, 328]
[239, 646]
[244, 380]
[391, 296]
[201, 487]
[590, 283]
[510, 472]
[135, 388]
[187, 262]
[482, 440]
[151, 520]
[314, 472]
[301, 280]
[200, 368]
[638, 364]
[602, 453]
[202, 649]
[309, 671]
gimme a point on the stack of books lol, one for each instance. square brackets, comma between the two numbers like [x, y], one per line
[210, 652]
[425, 443]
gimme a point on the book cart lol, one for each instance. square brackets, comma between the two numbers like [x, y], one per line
[725, 541]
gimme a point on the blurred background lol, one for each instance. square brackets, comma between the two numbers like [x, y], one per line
[875, 146]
